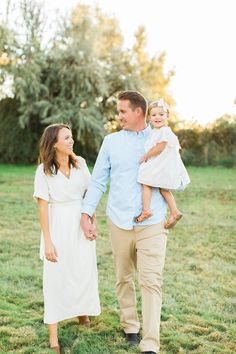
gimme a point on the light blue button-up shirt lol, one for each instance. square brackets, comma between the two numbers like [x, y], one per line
[118, 161]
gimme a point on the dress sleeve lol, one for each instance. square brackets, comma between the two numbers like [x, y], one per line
[166, 134]
[40, 185]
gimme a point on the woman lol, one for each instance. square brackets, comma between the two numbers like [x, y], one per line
[70, 283]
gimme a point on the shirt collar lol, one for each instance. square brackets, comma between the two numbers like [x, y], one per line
[143, 132]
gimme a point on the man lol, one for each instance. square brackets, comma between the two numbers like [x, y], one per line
[135, 246]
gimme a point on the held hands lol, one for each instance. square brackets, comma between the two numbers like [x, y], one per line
[88, 226]
[50, 252]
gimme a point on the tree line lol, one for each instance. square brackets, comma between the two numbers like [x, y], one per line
[75, 77]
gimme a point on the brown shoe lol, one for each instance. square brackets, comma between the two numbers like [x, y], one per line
[84, 320]
[143, 216]
[173, 220]
[132, 338]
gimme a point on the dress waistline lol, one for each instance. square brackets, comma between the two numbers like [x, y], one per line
[65, 202]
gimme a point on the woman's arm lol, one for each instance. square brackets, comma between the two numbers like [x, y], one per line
[50, 250]
[156, 150]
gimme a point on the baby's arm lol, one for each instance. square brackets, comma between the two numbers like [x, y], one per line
[156, 150]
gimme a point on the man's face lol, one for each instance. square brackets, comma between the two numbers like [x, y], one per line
[127, 116]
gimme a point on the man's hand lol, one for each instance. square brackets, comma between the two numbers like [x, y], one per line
[144, 158]
[88, 227]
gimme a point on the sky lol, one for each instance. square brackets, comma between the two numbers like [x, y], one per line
[198, 37]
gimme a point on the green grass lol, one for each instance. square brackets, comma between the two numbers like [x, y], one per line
[199, 294]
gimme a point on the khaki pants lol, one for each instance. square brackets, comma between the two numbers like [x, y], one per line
[142, 248]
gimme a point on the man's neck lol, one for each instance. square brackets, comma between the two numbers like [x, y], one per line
[139, 127]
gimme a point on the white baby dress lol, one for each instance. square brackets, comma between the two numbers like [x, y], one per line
[70, 286]
[165, 170]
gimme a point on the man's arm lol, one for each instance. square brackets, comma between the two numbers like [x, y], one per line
[97, 187]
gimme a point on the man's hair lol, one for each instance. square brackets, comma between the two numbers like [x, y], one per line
[135, 98]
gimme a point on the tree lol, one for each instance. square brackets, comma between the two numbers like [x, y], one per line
[151, 70]
[103, 34]
[76, 77]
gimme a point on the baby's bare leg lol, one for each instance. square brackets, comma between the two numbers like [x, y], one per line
[146, 197]
[176, 215]
[168, 196]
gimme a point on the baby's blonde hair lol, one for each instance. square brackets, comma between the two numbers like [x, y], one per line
[158, 103]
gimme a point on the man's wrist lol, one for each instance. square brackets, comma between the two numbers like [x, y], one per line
[85, 216]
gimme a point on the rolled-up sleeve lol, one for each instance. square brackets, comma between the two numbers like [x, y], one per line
[99, 179]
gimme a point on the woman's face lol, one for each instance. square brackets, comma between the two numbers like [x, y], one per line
[65, 142]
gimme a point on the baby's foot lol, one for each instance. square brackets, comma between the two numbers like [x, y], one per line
[143, 216]
[177, 214]
[173, 219]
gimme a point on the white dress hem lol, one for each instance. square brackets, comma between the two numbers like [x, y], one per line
[64, 318]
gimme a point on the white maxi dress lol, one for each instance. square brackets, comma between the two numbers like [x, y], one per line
[165, 170]
[70, 286]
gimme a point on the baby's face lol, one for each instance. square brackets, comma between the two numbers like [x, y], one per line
[158, 117]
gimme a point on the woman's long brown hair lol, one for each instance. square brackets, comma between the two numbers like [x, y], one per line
[47, 154]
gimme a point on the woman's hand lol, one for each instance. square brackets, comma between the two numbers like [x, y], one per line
[50, 251]
[88, 227]
[144, 158]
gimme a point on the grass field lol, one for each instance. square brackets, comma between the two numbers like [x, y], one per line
[199, 294]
